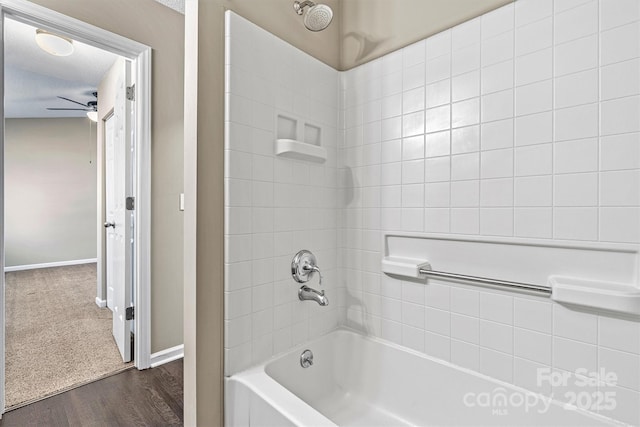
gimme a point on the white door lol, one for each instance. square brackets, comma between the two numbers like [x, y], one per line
[109, 139]
[119, 225]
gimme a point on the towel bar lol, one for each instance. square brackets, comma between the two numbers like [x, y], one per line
[542, 289]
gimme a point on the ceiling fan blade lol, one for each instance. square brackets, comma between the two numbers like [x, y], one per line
[71, 100]
[68, 109]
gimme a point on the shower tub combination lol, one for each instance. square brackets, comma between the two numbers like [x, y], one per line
[361, 381]
[344, 378]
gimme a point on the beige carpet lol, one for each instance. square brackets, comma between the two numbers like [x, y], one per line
[57, 337]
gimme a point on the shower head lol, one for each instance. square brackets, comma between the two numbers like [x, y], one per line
[318, 16]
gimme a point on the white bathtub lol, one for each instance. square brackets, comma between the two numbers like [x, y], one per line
[362, 381]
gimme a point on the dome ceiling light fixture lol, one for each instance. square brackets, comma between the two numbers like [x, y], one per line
[54, 44]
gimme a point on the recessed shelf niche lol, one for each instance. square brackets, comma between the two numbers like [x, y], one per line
[289, 143]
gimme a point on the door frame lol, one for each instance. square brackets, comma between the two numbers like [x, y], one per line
[42, 17]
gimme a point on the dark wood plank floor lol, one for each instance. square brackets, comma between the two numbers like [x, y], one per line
[132, 398]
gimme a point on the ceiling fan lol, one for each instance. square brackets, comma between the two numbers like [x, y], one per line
[89, 106]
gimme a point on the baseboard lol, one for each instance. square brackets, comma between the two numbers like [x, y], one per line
[166, 356]
[50, 264]
[102, 303]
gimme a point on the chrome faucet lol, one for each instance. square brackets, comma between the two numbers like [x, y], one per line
[306, 293]
[303, 266]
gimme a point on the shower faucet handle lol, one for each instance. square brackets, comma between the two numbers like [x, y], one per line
[303, 266]
[313, 269]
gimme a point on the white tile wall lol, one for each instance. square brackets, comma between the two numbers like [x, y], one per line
[522, 123]
[275, 206]
[529, 128]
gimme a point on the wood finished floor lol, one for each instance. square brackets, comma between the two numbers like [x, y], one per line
[132, 398]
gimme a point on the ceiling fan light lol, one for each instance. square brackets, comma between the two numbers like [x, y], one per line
[54, 44]
[93, 116]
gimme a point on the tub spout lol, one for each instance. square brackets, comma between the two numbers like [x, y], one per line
[309, 294]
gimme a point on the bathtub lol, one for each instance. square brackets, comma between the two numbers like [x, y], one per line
[363, 381]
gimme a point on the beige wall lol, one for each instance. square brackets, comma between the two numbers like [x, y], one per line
[373, 28]
[50, 191]
[204, 226]
[191, 86]
[161, 28]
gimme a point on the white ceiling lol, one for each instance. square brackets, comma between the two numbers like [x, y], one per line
[34, 79]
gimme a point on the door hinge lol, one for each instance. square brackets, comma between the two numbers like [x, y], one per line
[131, 93]
[129, 315]
[131, 203]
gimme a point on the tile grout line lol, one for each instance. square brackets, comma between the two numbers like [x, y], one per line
[599, 128]
[450, 211]
[553, 124]
[479, 179]
[513, 194]
[599, 181]
[513, 128]
[553, 177]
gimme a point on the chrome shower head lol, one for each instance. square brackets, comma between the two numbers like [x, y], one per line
[318, 16]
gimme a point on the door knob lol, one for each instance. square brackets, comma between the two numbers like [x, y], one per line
[109, 224]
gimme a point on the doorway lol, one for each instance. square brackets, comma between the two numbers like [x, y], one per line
[57, 337]
[136, 260]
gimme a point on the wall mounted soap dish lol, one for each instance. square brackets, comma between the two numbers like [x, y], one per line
[297, 139]
[617, 297]
[299, 150]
